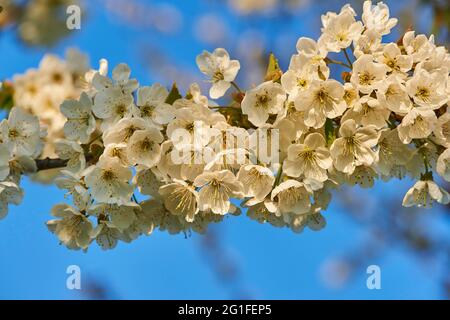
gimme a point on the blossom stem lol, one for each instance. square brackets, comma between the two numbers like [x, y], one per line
[278, 177]
[338, 63]
[425, 162]
[234, 84]
[350, 63]
[94, 139]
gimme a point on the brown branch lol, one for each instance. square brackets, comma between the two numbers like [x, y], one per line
[54, 163]
[48, 163]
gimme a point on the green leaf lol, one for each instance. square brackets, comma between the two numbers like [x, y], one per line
[330, 133]
[273, 69]
[6, 96]
[174, 94]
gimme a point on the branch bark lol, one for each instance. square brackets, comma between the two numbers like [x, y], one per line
[54, 163]
[49, 163]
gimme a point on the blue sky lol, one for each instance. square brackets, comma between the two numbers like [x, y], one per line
[271, 263]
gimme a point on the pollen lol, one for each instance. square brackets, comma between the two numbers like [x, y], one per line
[423, 93]
[365, 78]
[147, 110]
[146, 144]
[108, 175]
[120, 109]
[13, 133]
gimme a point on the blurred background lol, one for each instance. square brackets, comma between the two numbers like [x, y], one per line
[238, 258]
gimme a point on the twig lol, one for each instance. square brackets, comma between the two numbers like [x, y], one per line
[234, 84]
[338, 63]
[48, 163]
[348, 58]
[54, 163]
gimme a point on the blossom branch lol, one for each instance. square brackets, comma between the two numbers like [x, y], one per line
[55, 163]
[49, 163]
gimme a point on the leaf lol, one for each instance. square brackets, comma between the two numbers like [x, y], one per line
[6, 96]
[273, 69]
[330, 134]
[174, 94]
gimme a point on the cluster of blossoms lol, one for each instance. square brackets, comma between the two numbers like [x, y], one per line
[277, 149]
[41, 91]
[21, 142]
[37, 22]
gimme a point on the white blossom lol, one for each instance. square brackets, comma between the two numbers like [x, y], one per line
[428, 90]
[367, 75]
[21, 133]
[424, 193]
[417, 124]
[443, 165]
[267, 98]
[354, 146]
[112, 104]
[257, 182]
[80, 122]
[340, 30]
[108, 181]
[221, 70]
[144, 147]
[152, 106]
[291, 196]
[376, 17]
[216, 190]
[9, 193]
[180, 199]
[310, 159]
[322, 100]
[73, 228]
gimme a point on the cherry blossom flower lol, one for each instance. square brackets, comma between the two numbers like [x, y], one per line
[216, 190]
[267, 98]
[220, 69]
[108, 181]
[354, 147]
[424, 193]
[323, 99]
[310, 159]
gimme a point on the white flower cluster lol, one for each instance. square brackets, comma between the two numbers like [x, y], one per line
[41, 91]
[386, 119]
[21, 142]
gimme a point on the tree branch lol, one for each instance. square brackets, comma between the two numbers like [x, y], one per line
[48, 163]
[54, 163]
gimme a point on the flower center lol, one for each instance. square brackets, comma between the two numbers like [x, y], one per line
[423, 93]
[218, 76]
[391, 64]
[322, 96]
[13, 133]
[147, 110]
[108, 175]
[57, 77]
[365, 78]
[350, 145]
[341, 36]
[129, 132]
[262, 100]
[121, 109]
[146, 144]
[190, 127]
[302, 82]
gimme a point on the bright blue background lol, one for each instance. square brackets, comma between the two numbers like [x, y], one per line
[269, 262]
